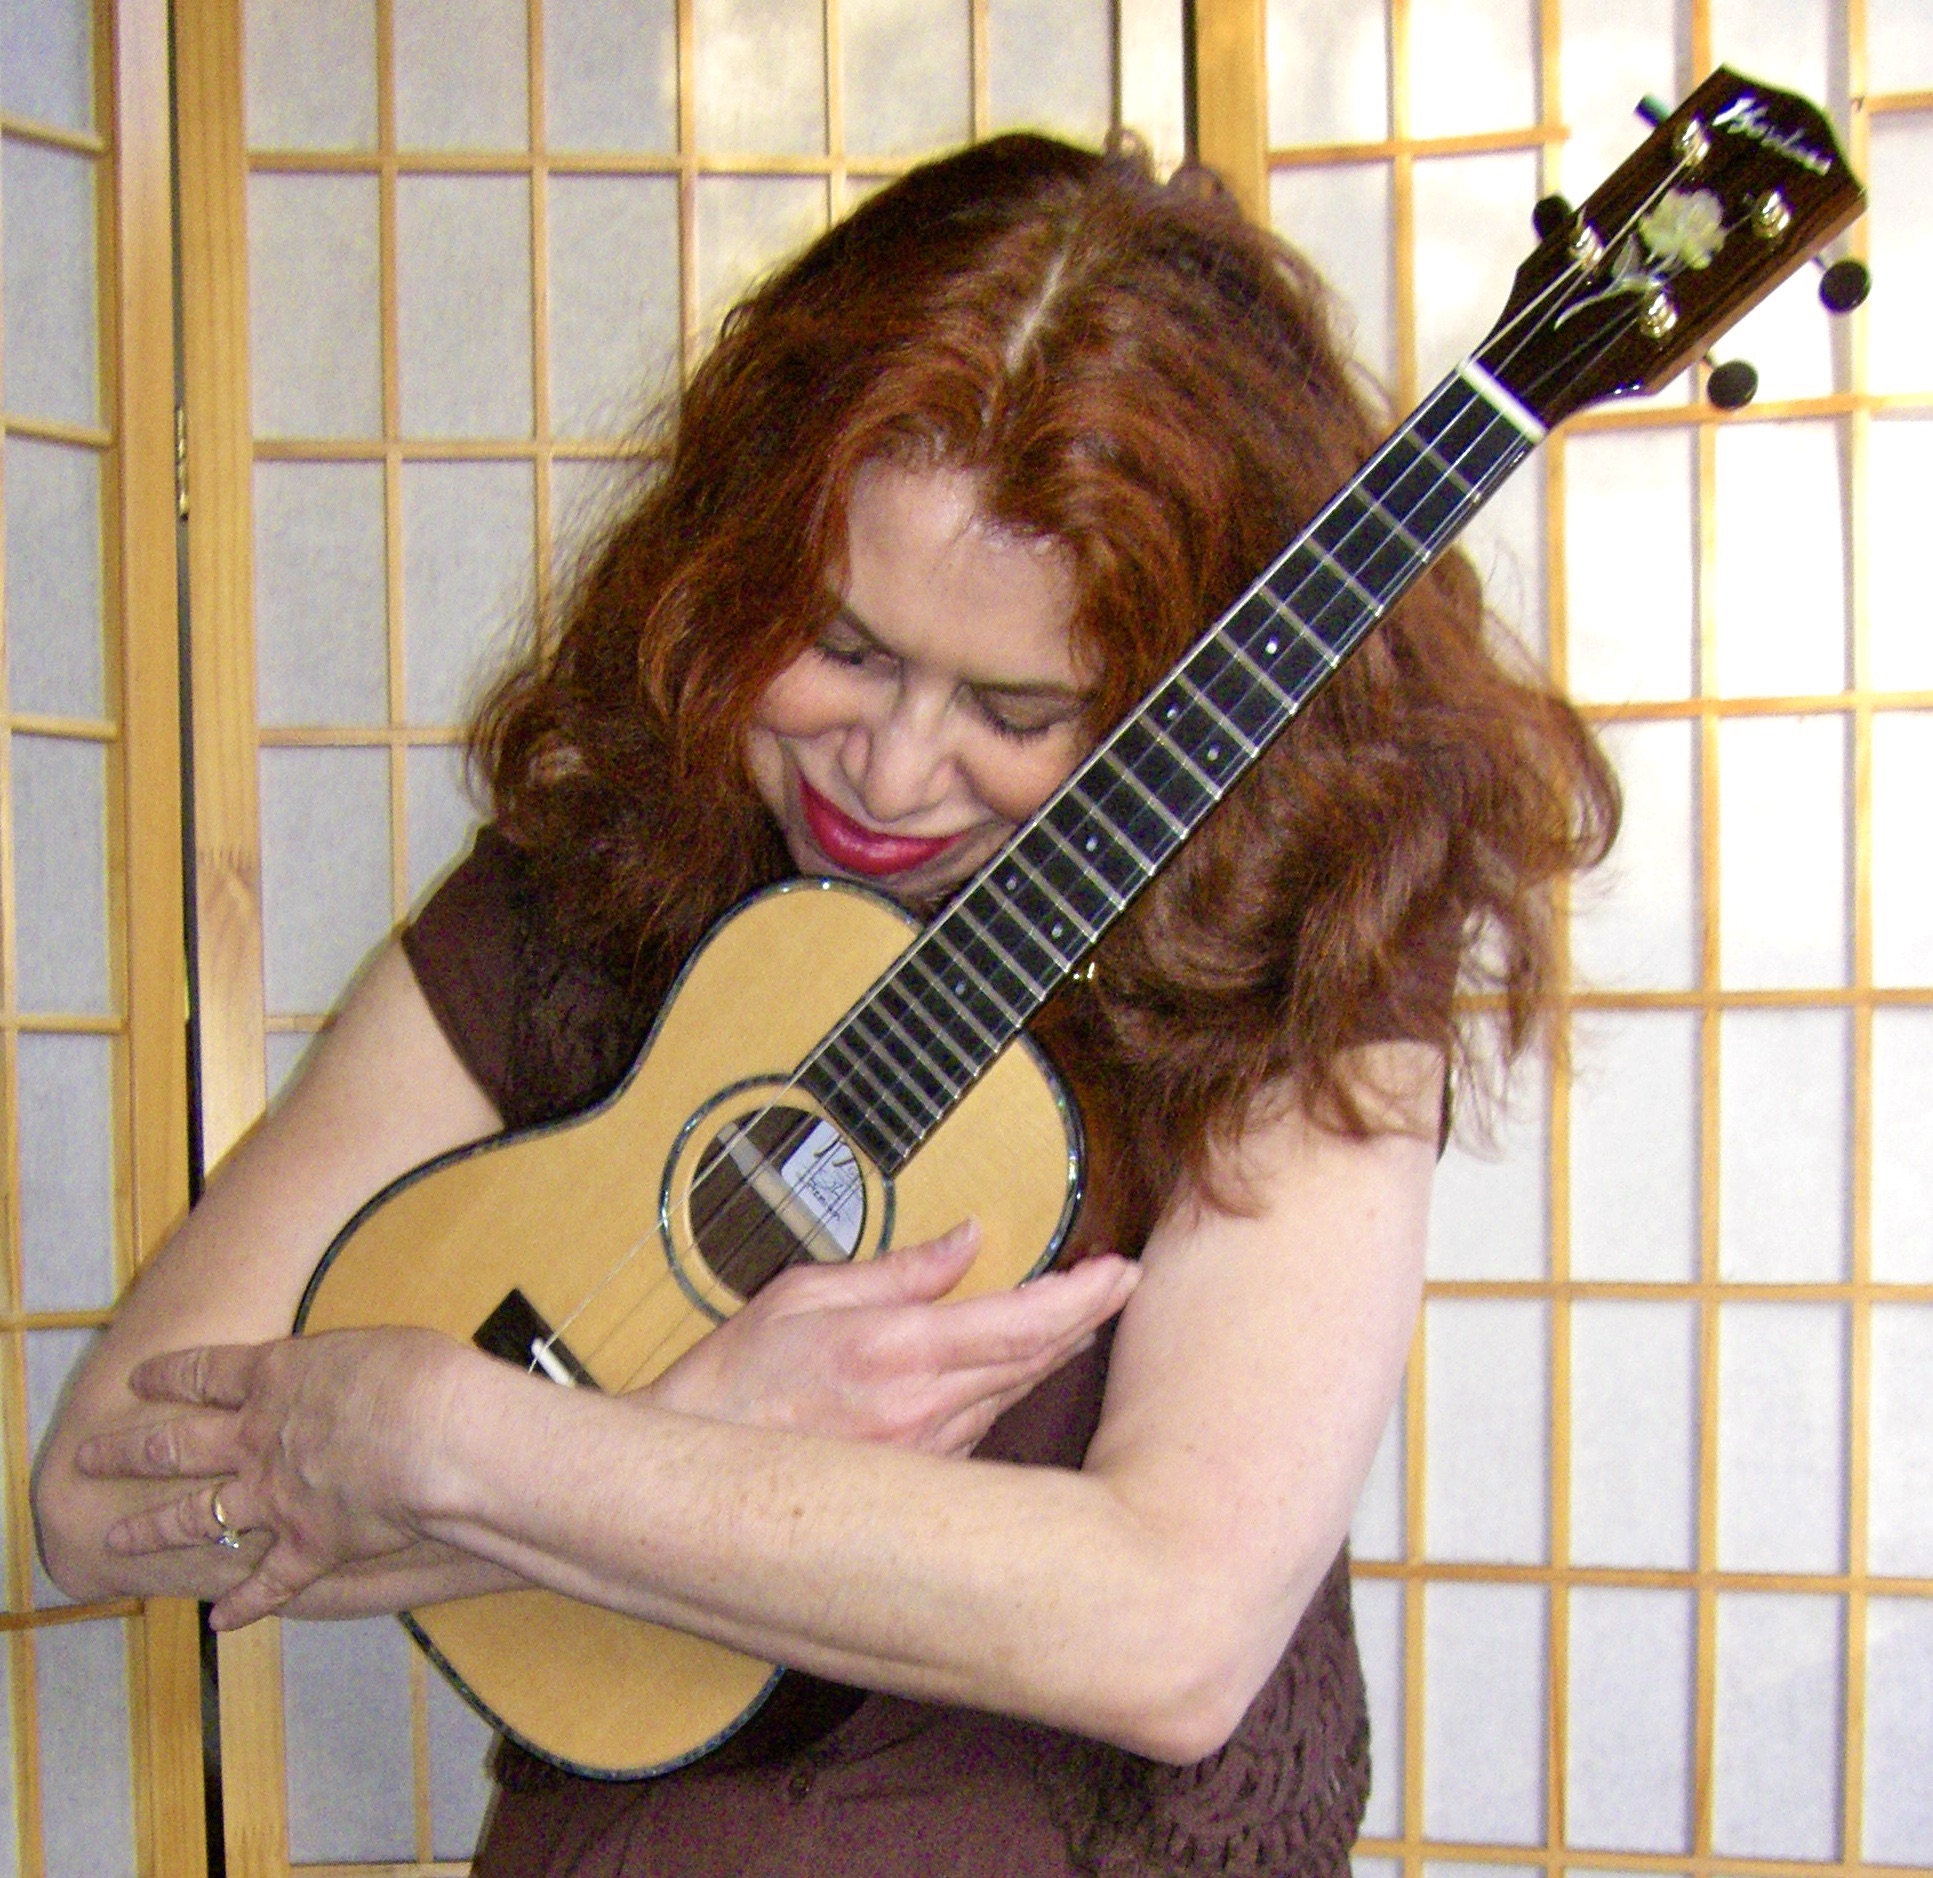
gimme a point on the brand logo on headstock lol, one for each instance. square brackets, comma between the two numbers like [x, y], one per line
[1745, 117]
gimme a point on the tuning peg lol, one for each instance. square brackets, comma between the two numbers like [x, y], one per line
[1844, 285]
[1551, 214]
[1652, 110]
[1731, 386]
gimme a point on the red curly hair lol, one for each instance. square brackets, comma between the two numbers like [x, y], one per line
[1133, 371]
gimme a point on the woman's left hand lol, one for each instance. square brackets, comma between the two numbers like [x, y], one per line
[320, 1443]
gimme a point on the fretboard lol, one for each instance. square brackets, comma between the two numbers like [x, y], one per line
[906, 1053]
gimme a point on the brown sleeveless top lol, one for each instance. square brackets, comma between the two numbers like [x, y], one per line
[826, 1779]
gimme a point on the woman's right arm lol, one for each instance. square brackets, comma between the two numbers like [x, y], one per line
[383, 1091]
[866, 1351]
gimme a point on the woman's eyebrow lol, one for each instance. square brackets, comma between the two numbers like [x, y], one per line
[1044, 689]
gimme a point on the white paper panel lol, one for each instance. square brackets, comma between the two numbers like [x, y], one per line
[462, 74]
[1376, 1532]
[1050, 67]
[463, 305]
[1487, 1407]
[441, 815]
[53, 579]
[86, 1783]
[1902, 1211]
[1899, 55]
[1902, 883]
[1505, 540]
[60, 874]
[1781, 42]
[611, 74]
[283, 1056]
[1610, 54]
[1152, 104]
[1781, 589]
[909, 75]
[1484, 1679]
[1899, 607]
[1472, 66]
[1899, 227]
[1629, 1730]
[345, 1702]
[325, 871]
[469, 532]
[1472, 232]
[1634, 1434]
[1782, 1437]
[1898, 1809]
[1328, 71]
[460, 1785]
[47, 62]
[759, 76]
[311, 74]
[1797, 347]
[1634, 1146]
[586, 498]
[1783, 915]
[49, 357]
[1490, 1210]
[1379, 1637]
[1339, 218]
[1362, 1866]
[747, 225]
[614, 312]
[1900, 1444]
[1630, 519]
[314, 313]
[1635, 922]
[1778, 1705]
[1785, 1146]
[67, 1172]
[321, 599]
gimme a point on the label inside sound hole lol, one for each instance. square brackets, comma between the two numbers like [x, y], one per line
[774, 1188]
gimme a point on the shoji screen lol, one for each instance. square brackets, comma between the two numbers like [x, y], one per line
[1644, 1571]
[469, 245]
[99, 1707]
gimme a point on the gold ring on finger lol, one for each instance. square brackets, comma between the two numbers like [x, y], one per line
[229, 1536]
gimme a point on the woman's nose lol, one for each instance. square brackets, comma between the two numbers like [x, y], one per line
[901, 763]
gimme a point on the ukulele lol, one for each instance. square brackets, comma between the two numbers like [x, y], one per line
[826, 1081]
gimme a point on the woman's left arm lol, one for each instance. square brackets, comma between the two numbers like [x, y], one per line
[1142, 1600]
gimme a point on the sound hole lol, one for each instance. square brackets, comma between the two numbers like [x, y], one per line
[774, 1188]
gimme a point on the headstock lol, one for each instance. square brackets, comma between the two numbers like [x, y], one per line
[1736, 188]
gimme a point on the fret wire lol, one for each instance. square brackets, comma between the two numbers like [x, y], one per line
[1282, 610]
[1214, 789]
[957, 1001]
[967, 916]
[960, 1079]
[1391, 520]
[1093, 806]
[964, 963]
[885, 1089]
[1019, 859]
[1283, 702]
[876, 1049]
[1208, 704]
[1153, 799]
[1322, 554]
[1099, 879]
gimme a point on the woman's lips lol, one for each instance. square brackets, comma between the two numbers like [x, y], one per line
[850, 844]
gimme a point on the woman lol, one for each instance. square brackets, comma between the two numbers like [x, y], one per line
[950, 493]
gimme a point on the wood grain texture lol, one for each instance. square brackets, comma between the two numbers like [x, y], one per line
[1231, 99]
[570, 1216]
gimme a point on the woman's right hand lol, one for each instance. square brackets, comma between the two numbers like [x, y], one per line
[869, 1352]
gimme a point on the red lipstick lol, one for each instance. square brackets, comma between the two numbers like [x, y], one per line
[862, 850]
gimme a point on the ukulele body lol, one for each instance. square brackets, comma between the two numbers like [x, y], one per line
[589, 1222]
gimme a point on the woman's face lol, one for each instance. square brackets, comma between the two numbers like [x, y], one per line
[942, 705]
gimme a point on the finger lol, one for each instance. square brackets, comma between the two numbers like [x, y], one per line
[190, 1445]
[914, 1274]
[281, 1575]
[188, 1521]
[1016, 1326]
[214, 1376]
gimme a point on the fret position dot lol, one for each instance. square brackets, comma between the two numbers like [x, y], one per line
[1273, 647]
[1090, 844]
[1214, 753]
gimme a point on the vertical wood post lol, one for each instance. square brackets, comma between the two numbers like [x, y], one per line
[1231, 99]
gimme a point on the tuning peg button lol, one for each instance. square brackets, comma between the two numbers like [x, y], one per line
[1732, 385]
[1551, 214]
[1844, 285]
